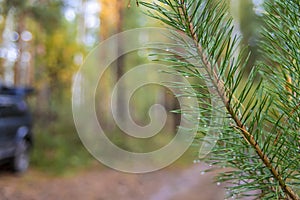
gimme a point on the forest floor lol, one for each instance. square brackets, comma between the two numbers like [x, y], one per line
[96, 183]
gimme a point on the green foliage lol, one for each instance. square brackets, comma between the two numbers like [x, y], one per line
[46, 13]
[55, 53]
[57, 147]
[7, 4]
[255, 123]
[59, 63]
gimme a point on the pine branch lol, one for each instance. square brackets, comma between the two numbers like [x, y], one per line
[211, 33]
[220, 87]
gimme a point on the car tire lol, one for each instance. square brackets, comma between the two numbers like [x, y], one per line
[20, 162]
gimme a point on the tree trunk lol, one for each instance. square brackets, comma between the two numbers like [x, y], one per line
[120, 64]
[20, 45]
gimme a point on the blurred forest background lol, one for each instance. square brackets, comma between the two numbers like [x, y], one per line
[44, 42]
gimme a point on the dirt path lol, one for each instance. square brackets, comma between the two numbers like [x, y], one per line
[95, 184]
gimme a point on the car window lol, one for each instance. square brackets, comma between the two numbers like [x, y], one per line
[11, 106]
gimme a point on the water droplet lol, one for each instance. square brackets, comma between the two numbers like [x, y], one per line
[202, 173]
[218, 183]
[196, 161]
[186, 76]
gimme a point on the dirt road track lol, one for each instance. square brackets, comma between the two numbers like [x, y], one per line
[95, 184]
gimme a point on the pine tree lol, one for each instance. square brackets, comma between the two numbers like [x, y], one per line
[256, 121]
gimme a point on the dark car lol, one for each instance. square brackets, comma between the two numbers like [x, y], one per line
[15, 128]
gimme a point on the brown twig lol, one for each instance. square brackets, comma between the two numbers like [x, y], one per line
[129, 3]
